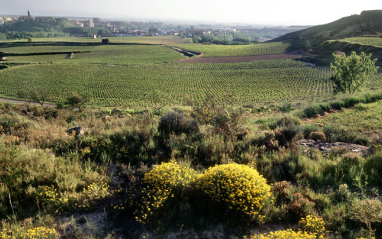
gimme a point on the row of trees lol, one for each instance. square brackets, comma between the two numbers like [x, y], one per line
[41, 96]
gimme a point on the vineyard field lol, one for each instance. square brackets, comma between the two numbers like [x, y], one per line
[107, 54]
[237, 50]
[251, 82]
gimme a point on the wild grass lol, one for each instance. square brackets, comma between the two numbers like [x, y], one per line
[46, 173]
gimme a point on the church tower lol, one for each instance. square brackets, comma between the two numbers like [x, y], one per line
[29, 16]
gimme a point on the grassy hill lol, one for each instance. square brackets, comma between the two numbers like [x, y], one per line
[367, 23]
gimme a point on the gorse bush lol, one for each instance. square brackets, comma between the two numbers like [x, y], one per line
[238, 188]
[284, 234]
[161, 183]
[241, 187]
[35, 233]
[313, 225]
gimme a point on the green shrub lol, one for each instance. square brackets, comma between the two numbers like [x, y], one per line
[308, 129]
[286, 122]
[352, 101]
[312, 111]
[318, 136]
[337, 105]
[338, 134]
[368, 211]
[177, 123]
[325, 107]
[373, 167]
[9, 123]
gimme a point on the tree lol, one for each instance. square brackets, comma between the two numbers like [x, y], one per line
[77, 100]
[34, 94]
[351, 72]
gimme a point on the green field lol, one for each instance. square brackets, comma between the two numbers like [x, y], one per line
[108, 54]
[237, 50]
[365, 120]
[368, 41]
[253, 82]
[130, 74]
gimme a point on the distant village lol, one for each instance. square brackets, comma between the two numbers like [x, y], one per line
[117, 28]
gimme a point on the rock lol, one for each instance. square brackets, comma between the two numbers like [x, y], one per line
[79, 130]
[325, 148]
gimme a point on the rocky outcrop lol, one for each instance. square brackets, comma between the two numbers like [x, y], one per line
[325, 148]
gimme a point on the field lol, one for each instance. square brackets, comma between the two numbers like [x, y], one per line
[364, 120]
[131, 75]
[113, 54]
[254, 82]
[368, 41]
[237, 50]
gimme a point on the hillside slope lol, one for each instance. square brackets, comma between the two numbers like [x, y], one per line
[367, 23]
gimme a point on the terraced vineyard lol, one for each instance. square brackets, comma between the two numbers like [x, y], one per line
[108, 54]
[237, 50]
[368, 41]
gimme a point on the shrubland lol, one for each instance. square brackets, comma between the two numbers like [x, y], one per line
[184, 170]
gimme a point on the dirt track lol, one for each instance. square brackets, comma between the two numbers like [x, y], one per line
[24, 102]
[234, 59]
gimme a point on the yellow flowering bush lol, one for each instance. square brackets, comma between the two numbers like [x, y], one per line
[35, 233]
[240, 186]
[313, 224]
[52, 199]
[283, 234]
[160, 184]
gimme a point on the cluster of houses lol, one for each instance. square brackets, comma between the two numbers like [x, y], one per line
[6, 20]
[97, 22]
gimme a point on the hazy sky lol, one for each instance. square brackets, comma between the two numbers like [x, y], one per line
[275, 12]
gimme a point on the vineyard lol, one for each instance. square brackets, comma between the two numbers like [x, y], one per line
[113, 54]
[368, 41]
[237, 50]
[253, 82]
[143, 75]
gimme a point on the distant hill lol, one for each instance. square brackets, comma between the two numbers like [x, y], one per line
[368, 23]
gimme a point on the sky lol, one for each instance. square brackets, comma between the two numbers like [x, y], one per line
[265, 12]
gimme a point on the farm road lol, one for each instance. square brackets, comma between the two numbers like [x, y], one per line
[23, 102]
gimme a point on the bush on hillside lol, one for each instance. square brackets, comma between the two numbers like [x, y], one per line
[177, 123]
[240, 187]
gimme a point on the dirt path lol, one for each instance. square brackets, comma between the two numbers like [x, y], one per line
[24, 102]
[234, 59]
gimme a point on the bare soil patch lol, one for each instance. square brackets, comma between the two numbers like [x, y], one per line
[236, 59]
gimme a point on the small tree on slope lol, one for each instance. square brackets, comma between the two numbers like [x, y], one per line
[351, 72]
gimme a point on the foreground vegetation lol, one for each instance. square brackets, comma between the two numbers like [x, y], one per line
[214, 165]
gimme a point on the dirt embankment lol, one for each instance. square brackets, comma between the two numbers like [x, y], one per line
[236, 59]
